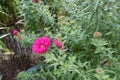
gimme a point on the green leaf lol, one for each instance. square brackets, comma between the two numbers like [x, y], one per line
[3, 46]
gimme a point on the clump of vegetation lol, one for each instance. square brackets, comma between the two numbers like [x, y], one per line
[82, 38]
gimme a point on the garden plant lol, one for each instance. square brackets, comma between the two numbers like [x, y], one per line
[77, 39]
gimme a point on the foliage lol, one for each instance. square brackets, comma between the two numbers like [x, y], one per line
[74, 22]
[27, 38]
[8, 13]
[36, 15]
[25, 76]
[2, 45]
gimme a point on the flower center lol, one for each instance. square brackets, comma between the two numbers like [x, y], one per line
[42, 45]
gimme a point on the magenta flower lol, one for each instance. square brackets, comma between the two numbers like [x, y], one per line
[41, 45]
[35, 1]
[58, 43]
[15, 32]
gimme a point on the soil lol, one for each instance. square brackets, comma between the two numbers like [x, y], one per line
[10, 68]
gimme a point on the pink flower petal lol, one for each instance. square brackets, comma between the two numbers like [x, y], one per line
[58, 43]
[41, 45]
[15, 32]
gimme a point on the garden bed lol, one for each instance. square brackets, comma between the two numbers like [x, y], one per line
[60, 39]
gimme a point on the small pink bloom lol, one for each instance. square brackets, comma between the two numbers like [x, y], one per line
[35, 1]
[41, 45]
[58, 43]
[15, 32]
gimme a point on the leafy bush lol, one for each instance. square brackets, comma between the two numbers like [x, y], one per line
[89, 30]
[36, 15]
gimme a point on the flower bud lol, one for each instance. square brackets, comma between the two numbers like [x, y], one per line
[61, 17]
[63, 23]
[19, 37]
[15, 32]
[35, 1]
[97, 34]
[100, 71]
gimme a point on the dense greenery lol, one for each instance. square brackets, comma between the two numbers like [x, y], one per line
[89, 29]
